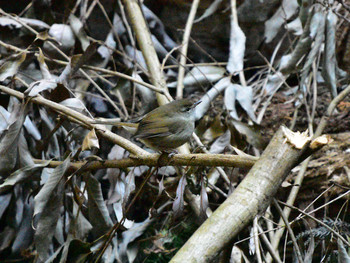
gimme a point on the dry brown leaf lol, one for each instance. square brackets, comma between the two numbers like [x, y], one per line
[90, 141]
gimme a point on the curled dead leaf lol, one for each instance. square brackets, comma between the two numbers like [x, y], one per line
[10, 67]
[90, 141]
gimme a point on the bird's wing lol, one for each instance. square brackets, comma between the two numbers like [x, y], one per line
[151, 127]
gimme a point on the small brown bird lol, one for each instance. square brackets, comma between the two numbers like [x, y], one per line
[166, 127]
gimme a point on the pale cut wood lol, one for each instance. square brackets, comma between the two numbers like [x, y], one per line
[251, 197]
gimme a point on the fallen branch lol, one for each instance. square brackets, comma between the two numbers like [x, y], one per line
[251, 197]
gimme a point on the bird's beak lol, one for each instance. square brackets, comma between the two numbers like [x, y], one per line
[196, 103]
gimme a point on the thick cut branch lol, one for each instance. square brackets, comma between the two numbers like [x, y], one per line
[251, 197]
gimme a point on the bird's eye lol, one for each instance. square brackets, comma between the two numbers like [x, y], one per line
[184, 109]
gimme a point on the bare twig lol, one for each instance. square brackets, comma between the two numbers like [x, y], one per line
[126, 144]
[318, 221]
[219, 169]
[290, 231]
[117, 92]
[322, 206]
[152, 159]
[256, 240]
[104, 94]
[114, 229]
[268, 245]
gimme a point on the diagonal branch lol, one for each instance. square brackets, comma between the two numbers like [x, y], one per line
[82, 119]
[251, 197]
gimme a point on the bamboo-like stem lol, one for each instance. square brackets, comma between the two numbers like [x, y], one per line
[144, 40]
[184, 48]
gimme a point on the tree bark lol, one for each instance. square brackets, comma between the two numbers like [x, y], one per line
[251, 197]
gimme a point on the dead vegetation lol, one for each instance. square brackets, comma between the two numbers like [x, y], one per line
[72, 190]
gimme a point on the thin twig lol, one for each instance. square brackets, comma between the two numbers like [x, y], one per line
[318, 221]
[322, 206]
[300, 177]
[104, 94]
[168, 55]
[91, 8]
[114, 229]
[256, 240]
[331, 107]
[126, 24]
[88, 122]
[219, 64]
[268, 245]
[290, 231]
[204, 149]
[118, 94]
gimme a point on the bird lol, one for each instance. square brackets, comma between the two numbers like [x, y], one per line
[165, 128]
